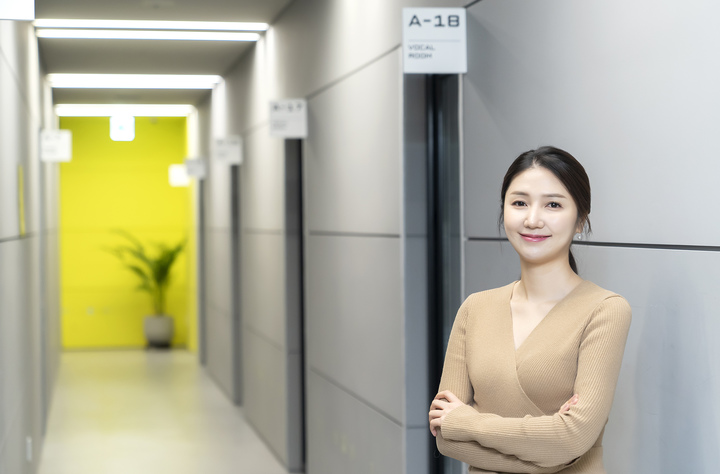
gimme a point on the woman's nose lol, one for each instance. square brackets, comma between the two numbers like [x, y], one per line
[533, 219]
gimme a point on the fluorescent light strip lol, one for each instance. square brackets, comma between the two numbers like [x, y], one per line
[132, 81]
[136, 110]
[152, 25]
[146, 35]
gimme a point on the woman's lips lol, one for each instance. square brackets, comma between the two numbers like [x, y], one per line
[534, 238]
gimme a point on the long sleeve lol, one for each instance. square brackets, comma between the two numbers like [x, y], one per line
[558, 439]
[489, 459]
[455, 378]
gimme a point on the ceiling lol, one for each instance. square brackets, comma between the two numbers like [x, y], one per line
[142, 56]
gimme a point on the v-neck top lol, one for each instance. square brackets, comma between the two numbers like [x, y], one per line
[511, 422]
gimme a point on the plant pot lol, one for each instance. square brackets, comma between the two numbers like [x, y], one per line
[159, 331]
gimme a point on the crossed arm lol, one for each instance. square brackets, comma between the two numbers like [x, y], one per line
[542, 444]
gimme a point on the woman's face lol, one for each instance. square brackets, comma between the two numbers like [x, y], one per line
[540, 217]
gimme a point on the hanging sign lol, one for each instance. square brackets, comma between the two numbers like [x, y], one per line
[196, 167]
[288, 118]
[228, 150]
[434, 41]
[17, 10]
[55, 145]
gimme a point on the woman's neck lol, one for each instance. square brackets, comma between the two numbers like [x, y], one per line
[546, 283]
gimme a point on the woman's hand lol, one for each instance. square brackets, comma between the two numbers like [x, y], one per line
[444, 403]
[566, 406]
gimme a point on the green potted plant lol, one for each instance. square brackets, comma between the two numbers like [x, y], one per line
[153, 270]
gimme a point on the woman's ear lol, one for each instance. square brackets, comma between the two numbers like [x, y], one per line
[580, 227]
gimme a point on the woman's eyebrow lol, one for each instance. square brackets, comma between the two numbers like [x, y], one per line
[522, 193]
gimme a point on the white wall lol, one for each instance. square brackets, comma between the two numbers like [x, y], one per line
[29, 273]
[630, 88]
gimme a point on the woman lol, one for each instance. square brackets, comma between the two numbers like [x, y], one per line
[531, 368]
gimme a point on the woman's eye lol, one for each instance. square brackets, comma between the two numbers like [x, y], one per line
[555, 205]
[518, 203]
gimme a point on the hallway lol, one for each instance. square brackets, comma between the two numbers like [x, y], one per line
[146, 412]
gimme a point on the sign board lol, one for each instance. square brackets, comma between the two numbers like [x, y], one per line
[17, 10]
[55, 145]
[288, 118]
[196, 167]
[434, 41]
[228, 150]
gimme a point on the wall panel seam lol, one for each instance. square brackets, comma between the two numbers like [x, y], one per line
[472, 3]
[19, 86]
[322, 233]
[18, 237]
[342, 387]
[348, 75]
[262, 336]
[256, 231]
[250, 129]
[695, 248]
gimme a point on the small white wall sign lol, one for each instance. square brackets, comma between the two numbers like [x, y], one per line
[55, 146]
[178, 176]
[17, 10]
[288, 118]
[228, 150]
[196, 167]
[434, 41]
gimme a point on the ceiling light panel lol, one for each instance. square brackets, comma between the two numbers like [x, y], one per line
[135, 110]
[146, 35]
[152, 25]
[132, 81]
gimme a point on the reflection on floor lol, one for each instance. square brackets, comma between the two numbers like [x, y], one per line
[146, 412]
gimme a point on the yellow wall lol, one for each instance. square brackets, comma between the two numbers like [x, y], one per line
[119, 185]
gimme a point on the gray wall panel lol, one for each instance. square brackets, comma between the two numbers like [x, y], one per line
[219, 274]
[218, 309]
[9, 152]
[13, 295]
[672, 360]
[489, 265]
[264, 396]
[345, 435]
[354, 328]
[416, 333]
[352, 165]
[263, 181]
[219, 348]
[218, 196]
[638, 113]
[263, 286]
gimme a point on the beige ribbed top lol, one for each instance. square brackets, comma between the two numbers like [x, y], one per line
[511, 423]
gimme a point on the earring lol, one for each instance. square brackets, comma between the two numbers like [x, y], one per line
[579, 236]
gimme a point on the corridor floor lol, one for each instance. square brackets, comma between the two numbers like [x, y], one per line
[146, 412]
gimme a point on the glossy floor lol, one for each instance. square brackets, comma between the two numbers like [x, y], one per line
[148, 412]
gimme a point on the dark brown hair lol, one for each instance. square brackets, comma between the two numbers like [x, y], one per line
[565, 168]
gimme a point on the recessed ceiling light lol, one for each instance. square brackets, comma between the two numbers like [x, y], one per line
[135, 110]
[132, 81]
[146, 35]
[152, 25]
